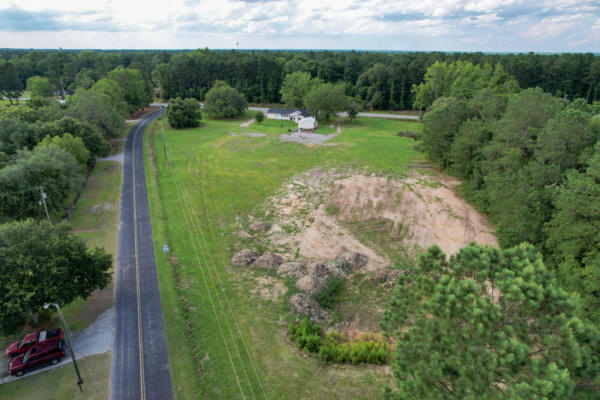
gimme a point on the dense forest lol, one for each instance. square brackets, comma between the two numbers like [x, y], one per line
[379, 80]
[530, 161]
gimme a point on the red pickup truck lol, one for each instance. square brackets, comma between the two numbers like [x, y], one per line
[31, 339]
[51, 351]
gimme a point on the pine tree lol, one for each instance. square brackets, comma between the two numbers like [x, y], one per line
[488, 324]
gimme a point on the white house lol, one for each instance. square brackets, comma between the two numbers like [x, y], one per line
[286, 113]
[307, 124]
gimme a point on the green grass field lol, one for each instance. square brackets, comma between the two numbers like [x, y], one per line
[211, 316]
[61, 383]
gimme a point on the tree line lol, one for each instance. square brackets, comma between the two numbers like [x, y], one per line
[46, 147]
[377, 79]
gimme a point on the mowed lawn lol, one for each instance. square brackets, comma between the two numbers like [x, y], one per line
[96, 219]
[224, 341]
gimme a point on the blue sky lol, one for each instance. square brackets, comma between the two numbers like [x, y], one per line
[456, 25]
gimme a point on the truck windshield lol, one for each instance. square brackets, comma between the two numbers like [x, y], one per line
[26, 357]
[20, 344]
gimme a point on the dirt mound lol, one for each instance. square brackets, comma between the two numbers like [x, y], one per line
[337, 268]
[305, 305]
[244, 257]
[292, 269]
[269, 261]
[386, 278]
[319, 212]
[314, 280]
[259, 226]
[353, 259]
[426, 211]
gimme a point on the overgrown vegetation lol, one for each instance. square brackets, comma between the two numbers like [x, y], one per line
[336, 347]
[329, 296]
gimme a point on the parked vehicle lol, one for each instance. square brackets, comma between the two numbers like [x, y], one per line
[49, 352]
[31, 339]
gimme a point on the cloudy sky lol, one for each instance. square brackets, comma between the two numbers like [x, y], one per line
[446, 25]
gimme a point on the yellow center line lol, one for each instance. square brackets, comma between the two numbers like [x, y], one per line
[137, 274]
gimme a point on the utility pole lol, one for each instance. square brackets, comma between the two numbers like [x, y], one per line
[43, 195]
[68, 340]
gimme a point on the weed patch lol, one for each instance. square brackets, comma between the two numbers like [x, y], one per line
[329, 296]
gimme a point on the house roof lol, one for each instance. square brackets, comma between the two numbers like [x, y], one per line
[286, 111]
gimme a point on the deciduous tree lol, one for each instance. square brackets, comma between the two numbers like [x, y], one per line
[39, 86]
[326, 99]
[45, 263]
[224, 101]
[184, 113]
[295, 86]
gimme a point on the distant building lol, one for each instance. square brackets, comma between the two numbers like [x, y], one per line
[288, 114]
[307, 124]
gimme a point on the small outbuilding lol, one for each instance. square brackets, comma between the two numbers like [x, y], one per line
[307, 124]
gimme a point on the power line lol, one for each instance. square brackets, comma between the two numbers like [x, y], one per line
[210, 262]
[208, 289]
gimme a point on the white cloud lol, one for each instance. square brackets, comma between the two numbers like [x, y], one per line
[487, 25]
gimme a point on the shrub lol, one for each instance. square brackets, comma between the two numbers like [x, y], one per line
[336, 347]
[330, 294]
[307, 334]
[259, 117]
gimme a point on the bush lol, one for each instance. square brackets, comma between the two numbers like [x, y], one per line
[337, 347]
[368, 349]
[259, 117]
[307, 334]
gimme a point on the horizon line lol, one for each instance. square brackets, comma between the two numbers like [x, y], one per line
[300, 50]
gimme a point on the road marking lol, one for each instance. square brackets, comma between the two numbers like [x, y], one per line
[137, 273]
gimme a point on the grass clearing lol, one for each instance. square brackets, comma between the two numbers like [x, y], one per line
[61, 383]
[226, 177]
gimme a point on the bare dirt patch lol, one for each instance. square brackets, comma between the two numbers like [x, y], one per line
[269, 288]
[247, 123]
[428, 210]
[308, 138]
[313, 213]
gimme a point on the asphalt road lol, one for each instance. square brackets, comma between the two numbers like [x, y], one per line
[139, 334]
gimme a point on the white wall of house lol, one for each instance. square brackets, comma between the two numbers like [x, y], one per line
[274, 116]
